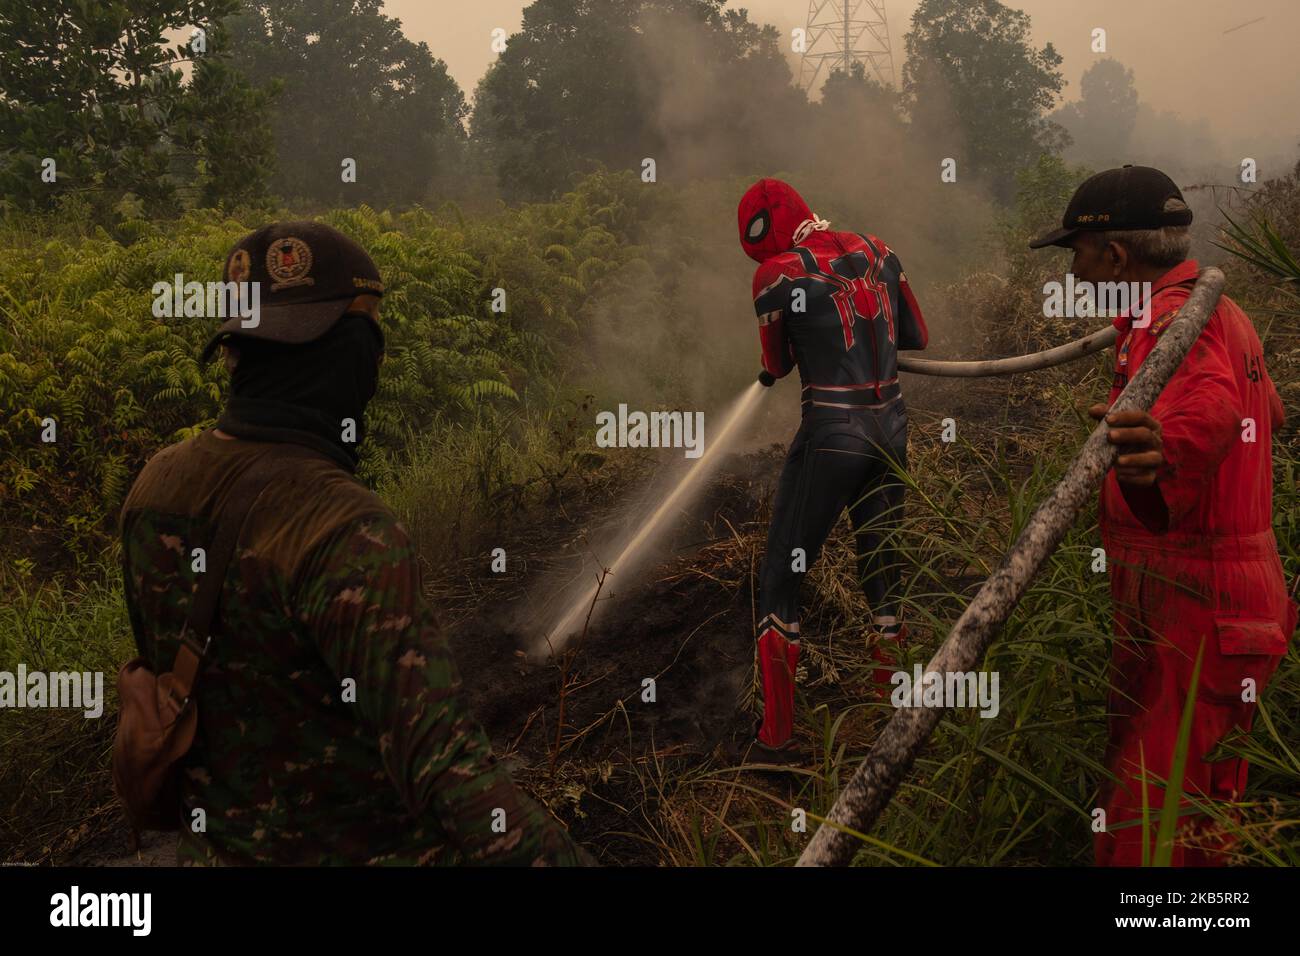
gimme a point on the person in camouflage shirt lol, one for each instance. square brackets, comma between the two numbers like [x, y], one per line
[331, 725]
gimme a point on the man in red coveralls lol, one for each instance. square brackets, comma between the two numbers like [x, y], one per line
[1186, 517]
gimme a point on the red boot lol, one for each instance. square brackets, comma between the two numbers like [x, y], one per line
[778, 655]
[887, 652]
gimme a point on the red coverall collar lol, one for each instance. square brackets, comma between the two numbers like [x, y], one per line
[1185, 271]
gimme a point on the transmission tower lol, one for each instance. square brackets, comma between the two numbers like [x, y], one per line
[841, 33]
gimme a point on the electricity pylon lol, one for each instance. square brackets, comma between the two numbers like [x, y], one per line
[843, 32]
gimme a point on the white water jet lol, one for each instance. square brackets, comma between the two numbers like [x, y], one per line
[571, 622]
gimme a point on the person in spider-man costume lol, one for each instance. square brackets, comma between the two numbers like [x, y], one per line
[836, 305]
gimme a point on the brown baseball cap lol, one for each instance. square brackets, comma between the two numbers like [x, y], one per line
[1131, 197]
[307, 273]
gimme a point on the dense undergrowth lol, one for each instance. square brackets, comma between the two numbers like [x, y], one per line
[79, 346]
[1017, 789]
[484, 419]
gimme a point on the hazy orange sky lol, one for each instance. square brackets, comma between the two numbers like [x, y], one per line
[1246, 83]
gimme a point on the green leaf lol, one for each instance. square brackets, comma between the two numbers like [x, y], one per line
[1169, 813]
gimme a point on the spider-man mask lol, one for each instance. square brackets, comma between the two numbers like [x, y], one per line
[770, 214]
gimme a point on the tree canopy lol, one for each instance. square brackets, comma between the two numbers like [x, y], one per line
[614, 82]
[97, 89]
[350, 85]
[1102, 120]
[972, 68]
[287, 92]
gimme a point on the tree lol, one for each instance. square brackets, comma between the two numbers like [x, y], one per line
[976, 84]
[350, 85]
[95, 88]
[1101, 122]
[859, 95]
[1043, 190]
[225, 125]
[614, 82]
[862, 142]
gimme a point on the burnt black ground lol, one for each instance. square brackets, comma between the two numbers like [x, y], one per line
[686, 622]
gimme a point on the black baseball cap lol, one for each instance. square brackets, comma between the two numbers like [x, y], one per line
[307, 274]
[1131, 197]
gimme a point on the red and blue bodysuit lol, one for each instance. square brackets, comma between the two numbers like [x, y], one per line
[837, 306]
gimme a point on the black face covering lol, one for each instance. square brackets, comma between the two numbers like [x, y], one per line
[303, 393]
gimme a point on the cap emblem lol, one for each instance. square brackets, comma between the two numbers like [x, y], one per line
[288, 260]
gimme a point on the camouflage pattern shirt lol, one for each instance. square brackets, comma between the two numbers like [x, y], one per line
[331, 727]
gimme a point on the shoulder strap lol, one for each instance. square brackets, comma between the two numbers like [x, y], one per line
[196, 634]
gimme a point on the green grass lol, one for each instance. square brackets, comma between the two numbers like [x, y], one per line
[1014, 790]
[1017, 789]
[458, 483]
[55, 787]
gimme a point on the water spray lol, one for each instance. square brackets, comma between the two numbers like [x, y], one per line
[559, 634]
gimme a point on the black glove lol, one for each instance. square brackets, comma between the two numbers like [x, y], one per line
[766, 379]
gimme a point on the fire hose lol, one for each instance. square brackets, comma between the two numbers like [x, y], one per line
[876, 780]
[1093, 342]
[1033, 362]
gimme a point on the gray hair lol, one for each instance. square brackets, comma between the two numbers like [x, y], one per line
[1164, 247]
